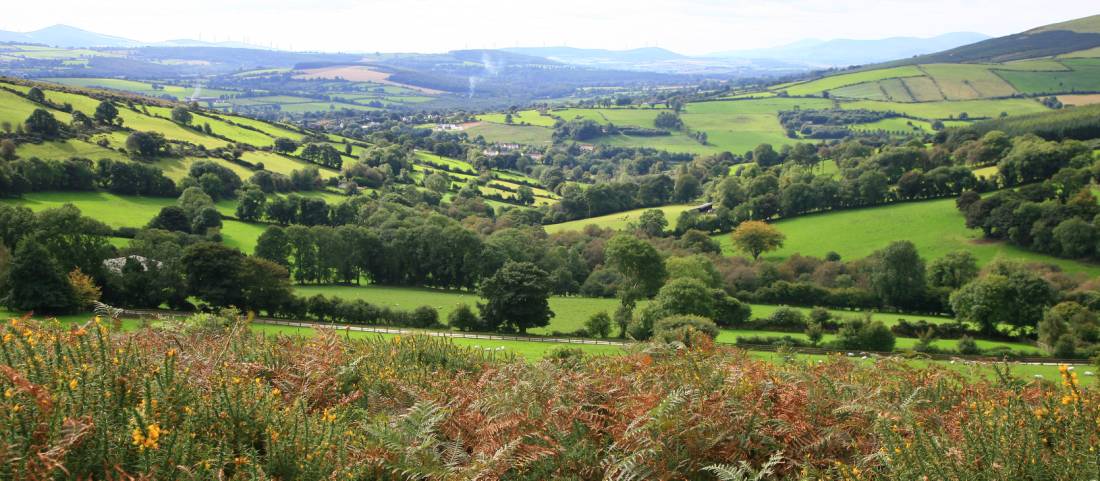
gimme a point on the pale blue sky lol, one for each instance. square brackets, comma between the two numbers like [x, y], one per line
[687, 26]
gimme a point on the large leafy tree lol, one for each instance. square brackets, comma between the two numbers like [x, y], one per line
[639, 263]
[213, 273]
[756, 237]
[264, 284]
[43, 123]
[36, 281]
[106, 112]
[1011, 295]
[898, 274]
[517, 297]
[953, 270]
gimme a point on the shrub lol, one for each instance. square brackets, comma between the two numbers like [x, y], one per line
[787, 317]
[599, 325]
[968, 346]
[464, 319]
[680, 328]
[865, 334]
[815, 332]
[424, 317]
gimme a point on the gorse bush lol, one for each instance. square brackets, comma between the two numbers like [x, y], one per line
[197, 404]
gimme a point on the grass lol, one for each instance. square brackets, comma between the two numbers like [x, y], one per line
[493, 132]
[15, 109]
[990, 108]
[138, 120]
[65, 149]
[569, 312]
[619, 220]
[531, 117]
[741, 125]
[143, 88]
[934, 226]
[835, 81]
[865, 90]
[130, 211]
[967, 81]
[923, 89]
[1084, 76]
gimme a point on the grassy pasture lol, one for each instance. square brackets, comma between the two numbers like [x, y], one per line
[865, 90]
[282, 164]
[65, 149]
[143, 88]
[895, 90]
[1088, 53]
[934, 226]
[618, 220]
[138, 120]
[569, 312]
[494, 132]
[272, 130]
[923, 89]
[1084, 77]
[741, 125]
[965, 81]
[815, 87]
[990, 108]
[128, 211]
[524, 116]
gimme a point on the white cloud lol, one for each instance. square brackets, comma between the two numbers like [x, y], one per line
[690, 26]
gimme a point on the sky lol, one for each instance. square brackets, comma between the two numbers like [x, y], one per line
[686, 26]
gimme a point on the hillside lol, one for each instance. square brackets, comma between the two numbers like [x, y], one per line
[1055, 59]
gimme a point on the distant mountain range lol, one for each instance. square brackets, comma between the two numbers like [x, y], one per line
[846, 52]
[802, 55]
[70, 37]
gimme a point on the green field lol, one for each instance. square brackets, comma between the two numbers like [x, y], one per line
[1084, 76]
[815, 87]
[143, 88]
[127, 211]
[531, 117]
[66, 149]
[934, 226]
[740, 125]
[619, 220]
[570, 311]
[985, 108]
[494, 132]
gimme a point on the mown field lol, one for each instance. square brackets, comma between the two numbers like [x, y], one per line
[934, 226]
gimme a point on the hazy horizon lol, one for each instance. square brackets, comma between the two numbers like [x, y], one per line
[691, 27]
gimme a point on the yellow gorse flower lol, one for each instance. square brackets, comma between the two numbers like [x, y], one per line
[149, 439]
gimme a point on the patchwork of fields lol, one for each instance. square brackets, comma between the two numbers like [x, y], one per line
[948, 82]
